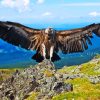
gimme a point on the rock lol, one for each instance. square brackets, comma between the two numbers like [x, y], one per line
[97, 69]
[48, 63]
[51, 79]
[51, 94]
[58, 86]
[66, 76]
[94, 80]
[61, 86]
[41, 78]
[10, 94]
[58, 75]
[68, 87]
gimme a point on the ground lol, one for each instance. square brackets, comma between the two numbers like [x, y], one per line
[85, 79]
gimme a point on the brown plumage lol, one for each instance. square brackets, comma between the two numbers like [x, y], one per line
[48, 42]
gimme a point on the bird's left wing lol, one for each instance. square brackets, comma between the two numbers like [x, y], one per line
[20, 35]
[76, 40]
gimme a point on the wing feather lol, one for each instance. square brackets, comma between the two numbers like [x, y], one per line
[20, 35]
[76, 40]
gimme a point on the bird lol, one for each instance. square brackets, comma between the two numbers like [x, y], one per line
[48, 42]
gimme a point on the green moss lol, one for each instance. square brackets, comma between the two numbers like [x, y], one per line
[89, 68]
[48, 73]
[32, 96]
[77, 96]
[83, 90]
[78, 81]
[69, 96]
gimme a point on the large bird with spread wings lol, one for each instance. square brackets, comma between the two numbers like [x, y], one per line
[48, 42]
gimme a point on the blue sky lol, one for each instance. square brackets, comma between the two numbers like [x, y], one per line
[50, 11]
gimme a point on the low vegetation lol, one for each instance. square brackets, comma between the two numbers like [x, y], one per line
[32, 96]
[83, 89]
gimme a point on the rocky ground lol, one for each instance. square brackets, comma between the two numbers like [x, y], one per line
[44, 82]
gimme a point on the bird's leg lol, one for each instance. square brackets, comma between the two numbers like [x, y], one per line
[44, 51]
[51, 52]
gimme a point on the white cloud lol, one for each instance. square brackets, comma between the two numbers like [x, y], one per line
[40, 1]
[20, 5]
[47, 14]
[82, 4]
[7, 3]
[94, 14]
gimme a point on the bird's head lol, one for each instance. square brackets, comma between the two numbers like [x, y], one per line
[49, 30]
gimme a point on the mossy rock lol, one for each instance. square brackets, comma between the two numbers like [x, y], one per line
[48, 73]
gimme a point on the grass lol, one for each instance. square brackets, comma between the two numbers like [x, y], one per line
[86, 68]
[77, 96]
[83, 90]
[89, 68]
[32, 96]
[6, 73]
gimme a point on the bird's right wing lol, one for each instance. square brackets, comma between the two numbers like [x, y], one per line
[20, 35]
[76, 40]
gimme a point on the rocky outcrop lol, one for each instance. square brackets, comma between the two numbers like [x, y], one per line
[47, 81]
[40, 78]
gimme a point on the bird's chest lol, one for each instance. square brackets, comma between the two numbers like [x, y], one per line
[49, 40]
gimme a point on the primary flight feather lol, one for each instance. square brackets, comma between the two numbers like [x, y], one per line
[48, 42]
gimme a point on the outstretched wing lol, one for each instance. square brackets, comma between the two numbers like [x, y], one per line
[20, 35]
[76, 40]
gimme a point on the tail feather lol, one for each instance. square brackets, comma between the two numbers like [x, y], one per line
[55, 57]
[37, 57]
